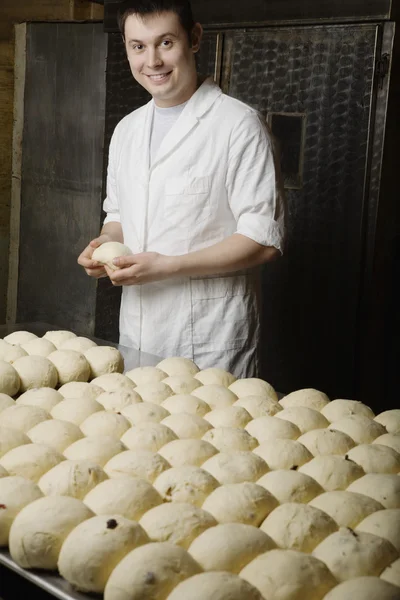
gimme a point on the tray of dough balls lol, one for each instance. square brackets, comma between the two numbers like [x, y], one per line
[168, 482]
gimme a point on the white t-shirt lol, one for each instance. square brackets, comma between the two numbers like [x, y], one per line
[164, 119]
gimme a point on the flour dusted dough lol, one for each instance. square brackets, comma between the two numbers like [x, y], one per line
[9, 379]
[253, 387]
[187, 426]
[105, 422]
[105, 360]
[154, 392]
[144, 412]
[283, 454]
[30, 460]
[388, 439]
[58, 337]
[38, 347]
[39, 530]
[22, 417]
[306, 419]
[385, 524]
[215, 376]
[345, 507]
[332, 472]
[5, 402]
[144, 375]
[186, 403]
[226, 439]
[325, 442]
[217, 585]
[15, 493]
[236, 467]
[382, 487]
[176, 522]
[361, 429]
[350, 554]
[246, 503]
[44, 397]
[98, 545]
[151, 571]
[340, 409]
[106, 253]
[70, 365]
[259, 406]
[232, 416]
[75, 410]
[269, 428]
[72, 478]
[97, 448]
[298, 526]
[19, 337]
[136, 463]
[148, 436]
[80, 389]
[79, 344]
[308, 397]
[130, 497]
[9, 353]
[289, 575]
[55, 433]
[35, 372]
[118, 400]
[183, 384]
[364, 588]
[392, 573]
[290, 486]
[11, 438]
[178, 366]
[216, 396]
[390, 419]
[187, 452]
[185, 484]
[113, 382]
[374, 458]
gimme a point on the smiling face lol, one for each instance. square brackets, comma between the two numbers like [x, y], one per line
[161, 58]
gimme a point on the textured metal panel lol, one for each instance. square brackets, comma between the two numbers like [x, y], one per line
[311, 296]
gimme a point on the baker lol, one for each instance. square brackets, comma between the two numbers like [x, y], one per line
[193, 190]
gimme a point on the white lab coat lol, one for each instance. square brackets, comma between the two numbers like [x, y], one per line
[213, 176]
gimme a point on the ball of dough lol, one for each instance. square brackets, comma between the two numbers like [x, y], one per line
[70, 365]
[235, 467]
[144, 412]
[11, 438]
[216, 396]
[5, 402]
[364, 588]
[253, 387]
[306, 419]
[9, 379]
[382, 487]
[106, 360]
[332, 472]
[80, 389]
[30, 460]
[216, 585]
[15, 493]
[113, 382]
[130, 497]
[78, 343]
[361, 429]
[39, 530]
[226, 439]
[385, 524]
[118, 400]
[96, 448]
[136, 463]
[178, 366]
[229, 547]
[259, 406]
[215, 376]
[9, 353]
[374, 458]
[145, 375]
[58, 337]
[185, 484]
[265, 429]
[232, 416]
[246, 503]
[325, 442]
[186, 403]
[148, 436]
[38, 347]
[54, 433]
[98, 545]
[346, 508]
[17, 338]
[290, 486]
[388, 439]
[390, 419]
[180, 453]
[22, 417]
[289, 575]
[36, 372]
[349, 554]
[340, 409]
[72, 478]
[75, 410]
[105, 423]
[150, 571]
[294, 526]
[176, 522]
[106, 252]
[154, 392]
[308, 397]
[283, 454]
[183, 384]
[392, 573]
[45, 398]
[187, 426]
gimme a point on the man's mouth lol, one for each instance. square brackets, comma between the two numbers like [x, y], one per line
[159, 77]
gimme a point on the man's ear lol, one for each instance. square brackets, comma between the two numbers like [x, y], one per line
[197, 34]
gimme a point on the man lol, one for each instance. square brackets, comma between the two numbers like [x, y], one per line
[192, 190]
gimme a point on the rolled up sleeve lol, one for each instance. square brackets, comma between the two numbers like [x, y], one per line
[111, 204]
[255, 193]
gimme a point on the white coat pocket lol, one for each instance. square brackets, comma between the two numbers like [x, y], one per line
[187, 201]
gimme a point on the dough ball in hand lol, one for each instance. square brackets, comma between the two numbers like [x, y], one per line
[106, 253]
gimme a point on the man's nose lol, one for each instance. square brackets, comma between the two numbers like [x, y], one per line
[154, 59]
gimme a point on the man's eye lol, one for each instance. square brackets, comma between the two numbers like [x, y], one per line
[166, 43]
[137, 47]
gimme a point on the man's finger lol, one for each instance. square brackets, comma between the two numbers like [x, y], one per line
[125, 261]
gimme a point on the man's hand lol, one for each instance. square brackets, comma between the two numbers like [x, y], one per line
[93, 268]
[141, 268]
